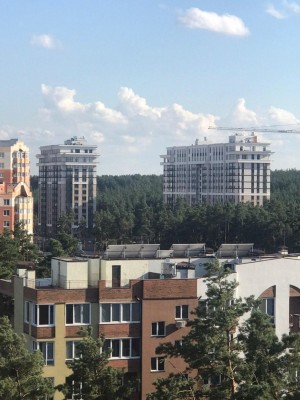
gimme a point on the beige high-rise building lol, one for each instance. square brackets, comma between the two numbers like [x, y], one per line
[67, 181]
[237, 171]
[16, 201]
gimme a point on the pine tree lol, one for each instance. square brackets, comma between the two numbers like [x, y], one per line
[91, 376]
[229, 359]
[20, 370]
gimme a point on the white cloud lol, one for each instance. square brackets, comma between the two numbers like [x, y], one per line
[288, 9]
[227, 24]
[45, 40]
[242, 116]
[132, 135]
[274, 12]
[292, 6]
[282, 117]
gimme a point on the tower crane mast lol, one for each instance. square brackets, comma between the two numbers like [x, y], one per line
[254, 129]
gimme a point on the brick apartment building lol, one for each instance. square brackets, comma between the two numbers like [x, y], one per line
[137, 298]
[16, 201]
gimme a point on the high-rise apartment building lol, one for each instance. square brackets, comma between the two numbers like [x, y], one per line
[16, 201]
[237, 171]
[67, 181]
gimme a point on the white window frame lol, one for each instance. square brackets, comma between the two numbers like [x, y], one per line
[27, 312]
[6, 224]
[81, 314]
[73, 344]
[6, 213]
[155, 328]
[160, 366]
[43, 347]
[35, 312]
[181, 313]
[108, 343]
[121, 313]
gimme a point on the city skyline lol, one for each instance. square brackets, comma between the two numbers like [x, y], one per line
[134, 77]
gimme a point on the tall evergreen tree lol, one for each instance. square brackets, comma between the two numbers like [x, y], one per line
[91, 376]
[227, 359]
[20, 370]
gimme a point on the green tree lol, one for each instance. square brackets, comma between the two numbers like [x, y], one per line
[270, 365]
[20, 370]
[210, 347]
[65, 233]
[91, 375]
[228, 359]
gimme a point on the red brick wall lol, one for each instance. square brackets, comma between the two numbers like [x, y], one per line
[160, 299]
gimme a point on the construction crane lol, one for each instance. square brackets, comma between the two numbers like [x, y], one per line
[254, 129]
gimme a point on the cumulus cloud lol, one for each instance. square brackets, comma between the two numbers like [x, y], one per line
[282, 117]
[45, 40]
[242, 116]
[274, 12]
[133, 125]
[194, 18]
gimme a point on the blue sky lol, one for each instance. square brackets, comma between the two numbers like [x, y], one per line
[136, 76]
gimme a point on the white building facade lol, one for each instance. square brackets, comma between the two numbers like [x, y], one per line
[237, 171]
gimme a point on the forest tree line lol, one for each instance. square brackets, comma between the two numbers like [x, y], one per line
[130, 209]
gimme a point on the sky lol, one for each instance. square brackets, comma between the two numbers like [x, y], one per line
[137, 76]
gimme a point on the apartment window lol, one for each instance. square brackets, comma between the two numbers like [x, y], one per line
[43, 315]
[6, 213]
[78, 314]
[72, 351]
[6, 224]
[116, 275]
[123, 348]
[1, 155]
[47, 348]
[157, 364]
[158, 328]
[268, 307]
[120, 312]
[26, 311]
[182, 312]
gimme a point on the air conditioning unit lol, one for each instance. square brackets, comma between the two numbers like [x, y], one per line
[180, 323]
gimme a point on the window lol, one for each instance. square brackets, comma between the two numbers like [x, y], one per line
[26, 311]
[6, 213]
[268, 307]
[78, 314]
[157, 364]
[1, 155]
[43, 315]
[120, 312]
[182, 312]
[116, 275]
[158, 328]
[47, 348]
[123, 348]
[6, 224]
[72, 351]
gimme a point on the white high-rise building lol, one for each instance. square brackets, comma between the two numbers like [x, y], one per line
[67, 181]
[237, 171]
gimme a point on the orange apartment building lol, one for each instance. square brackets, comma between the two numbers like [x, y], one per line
[16, 201]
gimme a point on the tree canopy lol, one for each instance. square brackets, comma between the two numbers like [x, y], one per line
[229, 356]
[20, 370]
[91, 375]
